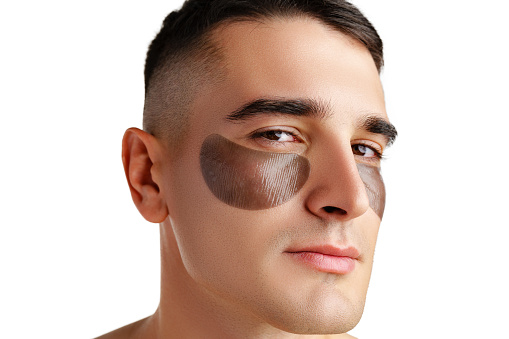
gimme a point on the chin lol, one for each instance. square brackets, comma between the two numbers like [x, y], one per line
[340, 323]
[328, 317]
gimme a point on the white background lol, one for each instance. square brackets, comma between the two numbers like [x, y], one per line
[77, 260]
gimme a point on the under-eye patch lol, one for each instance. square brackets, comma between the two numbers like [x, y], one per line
[251, 179]
[375, 187]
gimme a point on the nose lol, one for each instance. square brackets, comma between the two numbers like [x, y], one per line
[336, 190]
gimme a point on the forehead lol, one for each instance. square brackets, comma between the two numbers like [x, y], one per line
[292, 58]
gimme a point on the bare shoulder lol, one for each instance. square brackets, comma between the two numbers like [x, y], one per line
[346, 336]
[127, 332]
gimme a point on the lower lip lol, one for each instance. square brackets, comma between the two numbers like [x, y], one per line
[324, 262]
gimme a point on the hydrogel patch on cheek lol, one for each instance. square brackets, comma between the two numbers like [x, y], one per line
[375, 187]
[250, 179]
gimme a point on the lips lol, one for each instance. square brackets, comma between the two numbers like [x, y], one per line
[327, 258]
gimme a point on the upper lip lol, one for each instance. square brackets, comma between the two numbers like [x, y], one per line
[331, 250]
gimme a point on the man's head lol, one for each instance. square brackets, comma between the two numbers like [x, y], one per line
[271, 202]
[184, 56]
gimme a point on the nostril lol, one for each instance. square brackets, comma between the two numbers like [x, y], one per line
[332, 209]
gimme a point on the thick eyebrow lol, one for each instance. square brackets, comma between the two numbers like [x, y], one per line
[378, 125]
[295, 107]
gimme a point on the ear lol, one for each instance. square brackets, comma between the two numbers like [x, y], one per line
[139, 150]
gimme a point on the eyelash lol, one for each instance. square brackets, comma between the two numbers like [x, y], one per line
[263, 135]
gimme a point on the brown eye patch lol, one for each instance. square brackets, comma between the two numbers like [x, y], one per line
[250, 179]
[375, 187]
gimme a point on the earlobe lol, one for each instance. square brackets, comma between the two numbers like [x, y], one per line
[138, 156]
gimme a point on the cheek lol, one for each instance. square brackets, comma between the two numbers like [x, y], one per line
[249, 179]
[375, 187]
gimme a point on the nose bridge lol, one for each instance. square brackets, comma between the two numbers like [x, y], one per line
[344, 172]
[339, 190]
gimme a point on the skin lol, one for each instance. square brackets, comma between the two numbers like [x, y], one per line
[226, 271]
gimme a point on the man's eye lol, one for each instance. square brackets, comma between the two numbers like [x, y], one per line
[276, 135]
[366, 151]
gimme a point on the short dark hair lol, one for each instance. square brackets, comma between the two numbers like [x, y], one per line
[182, 55]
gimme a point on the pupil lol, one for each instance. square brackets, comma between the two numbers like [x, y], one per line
[359, 149]
[274, 135]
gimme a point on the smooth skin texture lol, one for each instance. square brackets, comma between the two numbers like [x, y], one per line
[226, 271]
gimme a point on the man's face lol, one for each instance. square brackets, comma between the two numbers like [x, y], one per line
[300, 261]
